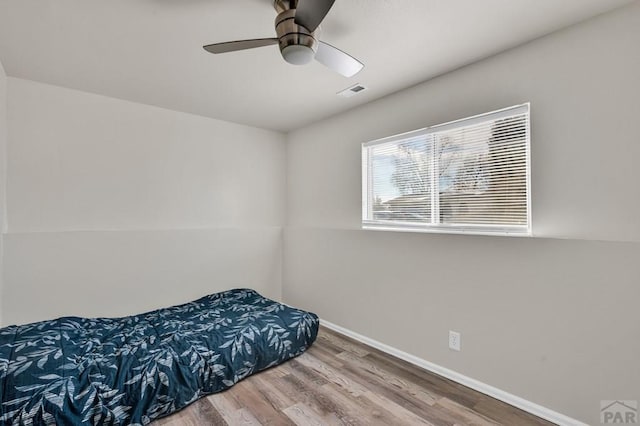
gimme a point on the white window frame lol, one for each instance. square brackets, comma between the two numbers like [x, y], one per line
[430, 132]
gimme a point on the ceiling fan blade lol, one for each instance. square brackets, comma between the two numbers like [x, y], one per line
[310, 13]
[335, 59]
[232, 46]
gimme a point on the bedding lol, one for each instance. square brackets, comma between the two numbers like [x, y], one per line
[132, 370]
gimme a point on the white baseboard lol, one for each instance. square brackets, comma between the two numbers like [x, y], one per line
[516, 401]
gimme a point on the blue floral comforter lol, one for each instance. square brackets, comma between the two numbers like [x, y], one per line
[132, 370]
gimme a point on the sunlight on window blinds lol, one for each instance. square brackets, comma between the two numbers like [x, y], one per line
[465, 176]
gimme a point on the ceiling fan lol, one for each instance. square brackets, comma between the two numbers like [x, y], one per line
[297, 36]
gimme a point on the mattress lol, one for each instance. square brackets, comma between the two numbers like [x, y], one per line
[135, 369]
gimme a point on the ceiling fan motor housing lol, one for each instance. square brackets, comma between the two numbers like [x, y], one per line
[298, 45]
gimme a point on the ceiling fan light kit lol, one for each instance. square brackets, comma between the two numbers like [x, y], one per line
[297, 54]
[297, 30]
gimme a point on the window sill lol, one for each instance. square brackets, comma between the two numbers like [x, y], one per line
[502, 232]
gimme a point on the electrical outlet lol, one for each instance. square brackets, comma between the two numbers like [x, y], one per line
[454, 340]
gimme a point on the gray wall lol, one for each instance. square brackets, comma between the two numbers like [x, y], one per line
[3, 149]
[115, 207]
[552, 318]
[118, 273]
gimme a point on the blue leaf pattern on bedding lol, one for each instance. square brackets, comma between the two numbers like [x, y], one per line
[132, 370]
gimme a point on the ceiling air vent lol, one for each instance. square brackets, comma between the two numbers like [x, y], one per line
[353, 90]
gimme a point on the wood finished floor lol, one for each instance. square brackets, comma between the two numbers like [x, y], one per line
[339, 381]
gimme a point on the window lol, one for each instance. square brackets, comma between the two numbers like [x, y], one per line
[469, 176]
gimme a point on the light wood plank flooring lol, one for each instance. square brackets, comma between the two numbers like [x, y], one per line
[339, 381]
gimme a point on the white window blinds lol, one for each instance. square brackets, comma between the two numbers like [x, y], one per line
[471, 175]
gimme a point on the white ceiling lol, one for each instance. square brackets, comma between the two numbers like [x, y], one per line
[150, 51]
